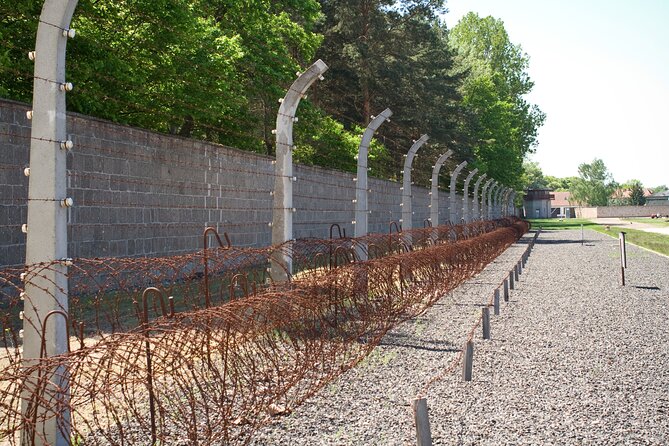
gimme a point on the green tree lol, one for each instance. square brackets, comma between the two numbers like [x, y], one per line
[533, 177]
[559, 184]
[594, 186]
[383, 54]
[636, 190]
[503, 124]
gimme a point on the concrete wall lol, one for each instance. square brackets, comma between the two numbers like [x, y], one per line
[621, 211]
[543, 207]
[140, 193]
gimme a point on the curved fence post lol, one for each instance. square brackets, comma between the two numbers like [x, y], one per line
[476, 213]
[465, 196]
[407, 213]
[484, 195]
[282, 216]
[361, 205]
[47, 217]
[491, 191]
[434, 189]
[451, 191]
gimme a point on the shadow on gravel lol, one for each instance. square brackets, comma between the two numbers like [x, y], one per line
[541, 241]
[431, 345]
[651, 288]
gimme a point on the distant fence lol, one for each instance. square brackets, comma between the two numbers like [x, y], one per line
[141, 193]
[621, 211]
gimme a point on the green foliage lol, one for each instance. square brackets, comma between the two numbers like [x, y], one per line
[323, 141]
[594, 186]
[533, 177]
[559, 184]
[503, 124]
[637, 197]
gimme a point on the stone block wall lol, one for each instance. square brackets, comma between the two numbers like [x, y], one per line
[141, 193]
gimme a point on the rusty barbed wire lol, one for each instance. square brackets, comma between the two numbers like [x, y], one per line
[205, 348]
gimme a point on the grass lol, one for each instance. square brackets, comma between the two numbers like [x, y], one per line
[568, 223]
[649, 240]
[659, 222]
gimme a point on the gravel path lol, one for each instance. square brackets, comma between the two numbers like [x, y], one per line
[575, 359]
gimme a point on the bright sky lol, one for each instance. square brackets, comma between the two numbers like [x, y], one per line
[601, 73]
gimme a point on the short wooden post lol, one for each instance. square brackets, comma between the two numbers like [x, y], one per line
[506, 290]
[422, 419]
[486, 322]
[469, 360]
[512, 282]
[516, 273]
[496, 302]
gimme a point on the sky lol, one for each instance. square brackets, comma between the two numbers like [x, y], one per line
[601, 74]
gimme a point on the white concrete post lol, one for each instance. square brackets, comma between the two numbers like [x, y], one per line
[496, 202]
[484, 195]
[490, 209]
[451, 191]
[505, 202]
[465, 196]
[476, 214]
[512, 207]
[282, 218]
[47, 222]
[407, 212]
[434, 193]
[361, 203]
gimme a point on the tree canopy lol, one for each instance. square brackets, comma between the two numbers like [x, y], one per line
[214, 70]
[594, 186]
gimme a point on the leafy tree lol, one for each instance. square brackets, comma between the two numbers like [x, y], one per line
[637, 196]
[559, 184]
[657, 189]
[503, 124]
[383, 54]
[594, 186]
[533, 177]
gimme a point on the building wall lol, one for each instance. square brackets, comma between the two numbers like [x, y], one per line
[543, 207]
[620, 211]
[140, 193]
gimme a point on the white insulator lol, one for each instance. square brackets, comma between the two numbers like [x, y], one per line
[21, 315]
[67, 86]
[22, 295]
[273, 131]
[29, 114]
[26, 171]
[67, 202]
[280, 100]
[70, 33]
[66, 145]
[31, 55]
[21, 333]
[24, 228]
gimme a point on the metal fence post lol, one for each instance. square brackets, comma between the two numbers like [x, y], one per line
[475, 201]
[282, 216]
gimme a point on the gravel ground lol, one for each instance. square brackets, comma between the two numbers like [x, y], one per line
[575, 359]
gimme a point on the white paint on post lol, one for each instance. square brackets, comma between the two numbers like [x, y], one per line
[282, 218]
[434, 191]
[361, 185]
[407, 211]
[47, 226]
[422, 419]
[451, 192]
[475, 200]
[465, 196]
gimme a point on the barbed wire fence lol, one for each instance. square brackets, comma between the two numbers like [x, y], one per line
[197, 345]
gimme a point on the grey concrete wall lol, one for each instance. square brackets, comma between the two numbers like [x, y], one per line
[140, 193]
[621, 211]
